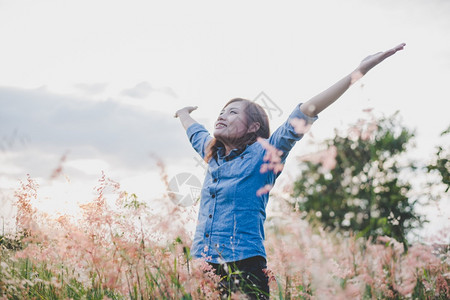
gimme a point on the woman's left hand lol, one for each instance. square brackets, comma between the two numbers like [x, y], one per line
[371, 61]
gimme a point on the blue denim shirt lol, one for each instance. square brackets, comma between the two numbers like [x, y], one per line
[231, 218]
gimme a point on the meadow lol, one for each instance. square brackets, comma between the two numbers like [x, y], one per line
[122, 247]
[128, 250]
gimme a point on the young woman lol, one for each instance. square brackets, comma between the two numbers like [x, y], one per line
[230, 230]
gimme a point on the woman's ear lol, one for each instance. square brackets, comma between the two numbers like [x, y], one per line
[254, 127]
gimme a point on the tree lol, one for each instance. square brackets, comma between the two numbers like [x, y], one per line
[364, 192]
[441, 163]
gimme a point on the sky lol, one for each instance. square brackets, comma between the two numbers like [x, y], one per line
[94, 85]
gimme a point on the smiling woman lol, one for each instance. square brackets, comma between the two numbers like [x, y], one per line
[239, 124]
[230, 229]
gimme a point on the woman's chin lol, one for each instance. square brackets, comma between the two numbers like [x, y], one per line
[220, 138]
[218, 135]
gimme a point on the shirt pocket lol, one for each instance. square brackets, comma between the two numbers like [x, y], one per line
[243, 166]
[235, 177]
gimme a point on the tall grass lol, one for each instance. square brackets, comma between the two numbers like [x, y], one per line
[129, 250]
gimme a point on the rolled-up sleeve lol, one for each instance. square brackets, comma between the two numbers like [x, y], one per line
[199, 138]
[285, 136]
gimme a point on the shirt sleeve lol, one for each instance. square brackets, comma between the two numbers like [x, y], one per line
[285, 136]
[199, 138]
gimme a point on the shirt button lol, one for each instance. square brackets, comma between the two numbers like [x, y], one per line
[214, 196]
[242, 157]
[210, 216]
[215, 180]
[207, 235]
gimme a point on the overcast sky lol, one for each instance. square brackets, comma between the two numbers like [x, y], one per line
[99, 81]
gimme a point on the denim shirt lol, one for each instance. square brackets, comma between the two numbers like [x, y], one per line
[230, 224]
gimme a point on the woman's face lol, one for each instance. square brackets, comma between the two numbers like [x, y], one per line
[231, 123]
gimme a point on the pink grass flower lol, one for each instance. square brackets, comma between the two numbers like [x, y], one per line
[272, 156]
[327, 158]
[300, 125]
[264, 190]
[355, 76]
[59, 169]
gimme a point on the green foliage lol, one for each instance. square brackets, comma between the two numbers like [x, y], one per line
[363, 193]
[11, 243]
[131, 201]
[28, 280]
[442, 162]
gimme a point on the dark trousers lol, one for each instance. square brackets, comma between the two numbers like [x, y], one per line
[245, 275]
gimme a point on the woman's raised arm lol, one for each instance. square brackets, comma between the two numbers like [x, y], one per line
[184, 116]
[321, 101]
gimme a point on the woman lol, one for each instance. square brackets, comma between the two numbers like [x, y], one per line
[230, 231]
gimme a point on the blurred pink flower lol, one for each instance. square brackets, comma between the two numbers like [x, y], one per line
[264, 190]
[355, 76]
[272, 155]
[300, 125]
[327, 158]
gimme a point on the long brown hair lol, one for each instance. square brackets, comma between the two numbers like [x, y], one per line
[253, 113]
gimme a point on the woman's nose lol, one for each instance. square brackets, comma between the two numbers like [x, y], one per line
[221, 117]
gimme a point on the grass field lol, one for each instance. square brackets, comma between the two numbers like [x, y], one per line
[130, 251]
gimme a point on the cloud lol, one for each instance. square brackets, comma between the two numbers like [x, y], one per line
[143, 89]
[91, 88]
[169, 91]
[49, 123]
[10, 140]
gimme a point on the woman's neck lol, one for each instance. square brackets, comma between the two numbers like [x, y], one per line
[228, 149]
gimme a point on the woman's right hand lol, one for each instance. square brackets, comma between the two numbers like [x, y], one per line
[187, 109]
[372, 60]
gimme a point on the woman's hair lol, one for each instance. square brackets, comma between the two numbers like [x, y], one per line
[253, 112]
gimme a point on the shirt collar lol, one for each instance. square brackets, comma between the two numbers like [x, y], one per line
[233, 153]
